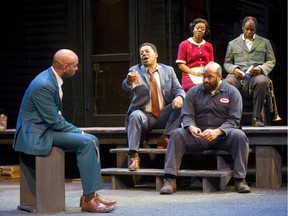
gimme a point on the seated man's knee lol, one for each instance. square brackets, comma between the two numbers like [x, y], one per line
[136, 116]
[91, 141]
[178, 132]
[232, 80]
[240, 137]
[261, 85]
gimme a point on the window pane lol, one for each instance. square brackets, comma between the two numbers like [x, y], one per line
[109, 98]
[110, 26]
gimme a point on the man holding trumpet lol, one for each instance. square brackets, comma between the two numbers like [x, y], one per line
[249, 59]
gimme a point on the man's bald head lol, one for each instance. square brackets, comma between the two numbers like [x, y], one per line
[65, 63]
[213, 67]
[64, 56]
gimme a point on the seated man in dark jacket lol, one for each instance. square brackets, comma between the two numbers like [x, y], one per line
[211, 116]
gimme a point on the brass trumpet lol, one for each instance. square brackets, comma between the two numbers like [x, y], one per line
[272, 101]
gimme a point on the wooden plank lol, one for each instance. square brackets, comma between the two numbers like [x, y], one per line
[268, 167]
[121, 130]
[205, 173]
[141, 150]
[212, 180]
[8, 131]
[125, 171]
[246, 129]
[163, 151]
[269, 135]
[159, 172]
[266, 129]
[103, 129]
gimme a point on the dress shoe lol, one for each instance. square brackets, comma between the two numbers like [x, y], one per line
[257, 123]
[169, 186]
[94, 205]
[100, 199]
[162, 142]
[134, 164]
[241, 186]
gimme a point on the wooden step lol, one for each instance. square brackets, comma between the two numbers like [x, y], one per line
[222, 157]
[212, 180]
[163, 151]
[159, 172]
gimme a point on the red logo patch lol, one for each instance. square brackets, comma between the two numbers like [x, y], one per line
[224, 100]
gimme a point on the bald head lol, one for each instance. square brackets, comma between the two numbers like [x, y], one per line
[64, 56]
[65, 63]
[214, 68]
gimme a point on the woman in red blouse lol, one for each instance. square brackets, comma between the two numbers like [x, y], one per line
[194, 53]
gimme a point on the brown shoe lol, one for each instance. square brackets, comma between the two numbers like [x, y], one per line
[241, 186]
[95, 206]
[100, 199]
[134, 164]
[162, 142]
[169, 187]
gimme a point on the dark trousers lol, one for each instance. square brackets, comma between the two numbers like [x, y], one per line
[181, 141]
[258, 86]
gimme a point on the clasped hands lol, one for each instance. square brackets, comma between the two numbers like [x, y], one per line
[208, 134]
[241, 74]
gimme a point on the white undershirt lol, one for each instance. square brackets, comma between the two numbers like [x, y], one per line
[59, 82]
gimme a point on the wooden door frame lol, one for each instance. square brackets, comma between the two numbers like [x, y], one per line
[89, 58]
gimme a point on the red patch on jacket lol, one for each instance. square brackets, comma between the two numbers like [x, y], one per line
[224, 100]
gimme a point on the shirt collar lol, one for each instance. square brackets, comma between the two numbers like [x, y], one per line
[242, 36]
[197, 44]
[58, 78]
[156, 70]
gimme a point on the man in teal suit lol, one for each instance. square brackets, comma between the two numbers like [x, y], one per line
[40, 126]
[250, 49]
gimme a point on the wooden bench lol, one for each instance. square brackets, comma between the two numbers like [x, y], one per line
[212, 180]
[265, 142]
[42, 182]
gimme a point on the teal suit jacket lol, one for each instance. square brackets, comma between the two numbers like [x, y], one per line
[40, 116]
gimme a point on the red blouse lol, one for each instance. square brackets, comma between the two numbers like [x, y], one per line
[193, 55]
